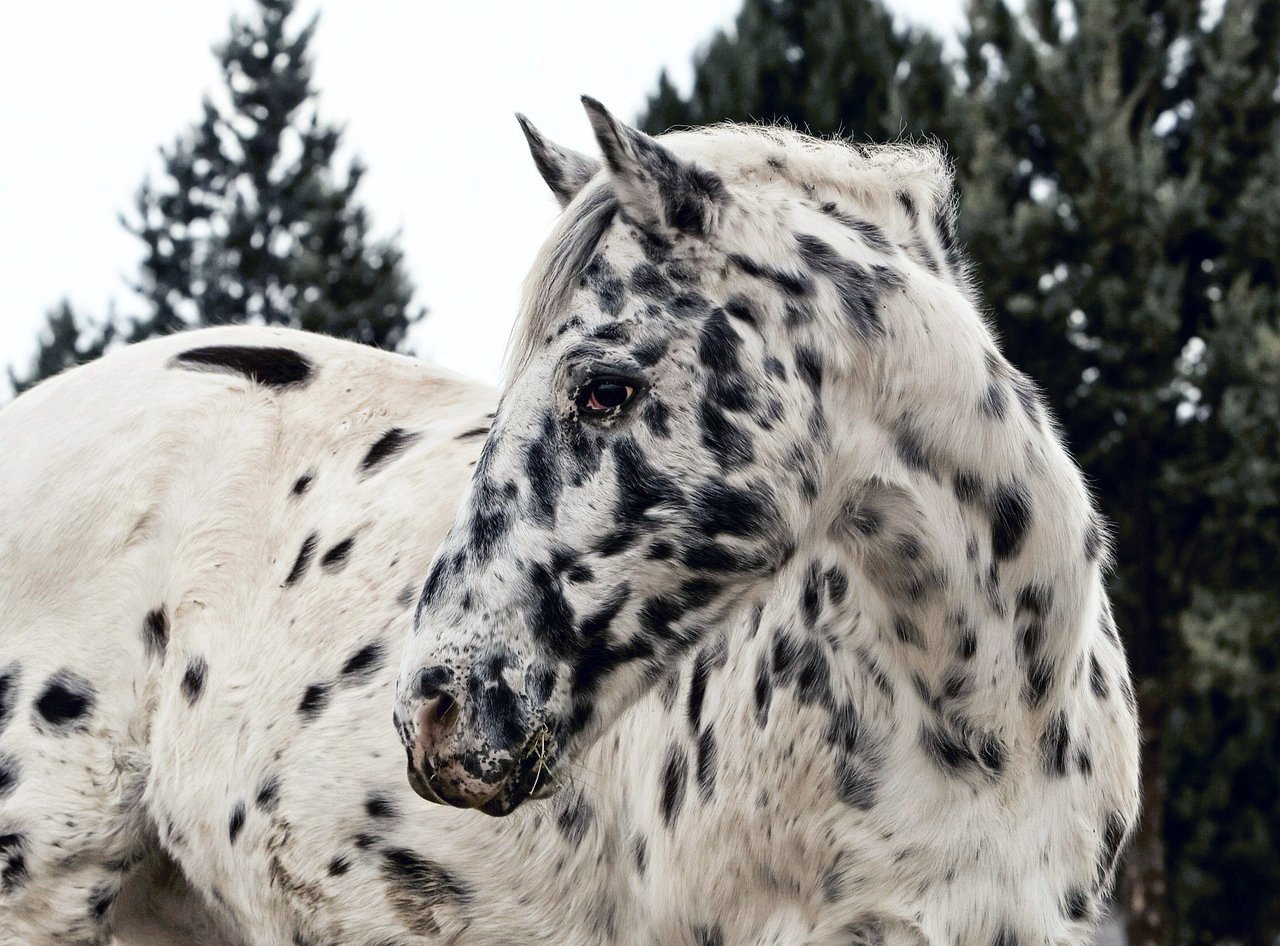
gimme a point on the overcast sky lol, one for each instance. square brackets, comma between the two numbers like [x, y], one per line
[89, 90]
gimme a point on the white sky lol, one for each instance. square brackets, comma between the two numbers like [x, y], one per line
[89, 90]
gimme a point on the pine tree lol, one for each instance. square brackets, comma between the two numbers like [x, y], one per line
[254, 222]
[67, 340]
[1119, 164]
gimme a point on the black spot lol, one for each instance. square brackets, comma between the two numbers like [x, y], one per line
[155, 632]
[967, 487]
[419, 886]
[947, 750]
[268, 793]
[193, 679]
[675, 772]
[640, 850]
[1055, 744]
[473, 433]
[235, 823]
[647, 353]
[574, 819]
[858, 288]
[9, 773]
[729, 443]
[303, 560]
[721, 508]
[907, 631]
[993, 401]
[385, 448]
[380, 806]
[302, 484]
[67, 698]
[706, 763]
[796, 284]
[647, 280]
[272, 367]
[1097, 678]
[698, 689]
[13, 861]
[1010, 519]
[1005, 937]
[872, 235]
[364, 661]
[542, 467]
[338, 866]
[708, 935]
[910, 447]
[314, 699]
[763, 692]
[336, 557]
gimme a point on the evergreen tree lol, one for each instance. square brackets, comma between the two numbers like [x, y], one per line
[253, 219]
[1119, 167]
[67, 340]
[254, 222]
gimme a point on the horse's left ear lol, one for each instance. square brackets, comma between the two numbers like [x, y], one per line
[653, 184]
[565, 171]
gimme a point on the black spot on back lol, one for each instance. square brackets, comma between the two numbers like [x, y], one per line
[235, 824]
[277, 368]
[193, 680]
[314, 699]
[302, 484]
[303, 560]
[386, 447]
[67, 698]
[268, 793]
[365, 660]
[336, 557]
[155, 632]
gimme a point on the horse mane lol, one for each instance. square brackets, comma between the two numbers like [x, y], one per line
[874, 176]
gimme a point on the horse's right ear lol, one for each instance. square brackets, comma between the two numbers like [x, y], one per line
[565, 171]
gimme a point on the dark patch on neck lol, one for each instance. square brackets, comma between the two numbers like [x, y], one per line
[277, 368]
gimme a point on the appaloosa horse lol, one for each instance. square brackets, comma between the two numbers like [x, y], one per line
[770, 575]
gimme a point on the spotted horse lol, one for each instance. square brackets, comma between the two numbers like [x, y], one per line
[764, 606]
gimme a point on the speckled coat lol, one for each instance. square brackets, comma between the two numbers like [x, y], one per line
[804, 642]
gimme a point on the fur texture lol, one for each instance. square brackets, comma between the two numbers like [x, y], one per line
[806, 642]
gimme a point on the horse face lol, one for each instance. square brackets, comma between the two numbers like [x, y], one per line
[633, 487]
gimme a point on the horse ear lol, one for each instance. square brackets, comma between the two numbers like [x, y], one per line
[653, 183]
[565, 171]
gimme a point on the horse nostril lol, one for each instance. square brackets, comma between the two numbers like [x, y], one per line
[437, 718]
[445, 711]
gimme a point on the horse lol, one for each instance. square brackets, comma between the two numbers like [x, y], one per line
[763, 605]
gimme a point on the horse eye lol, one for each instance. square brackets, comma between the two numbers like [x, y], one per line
[604, 395]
